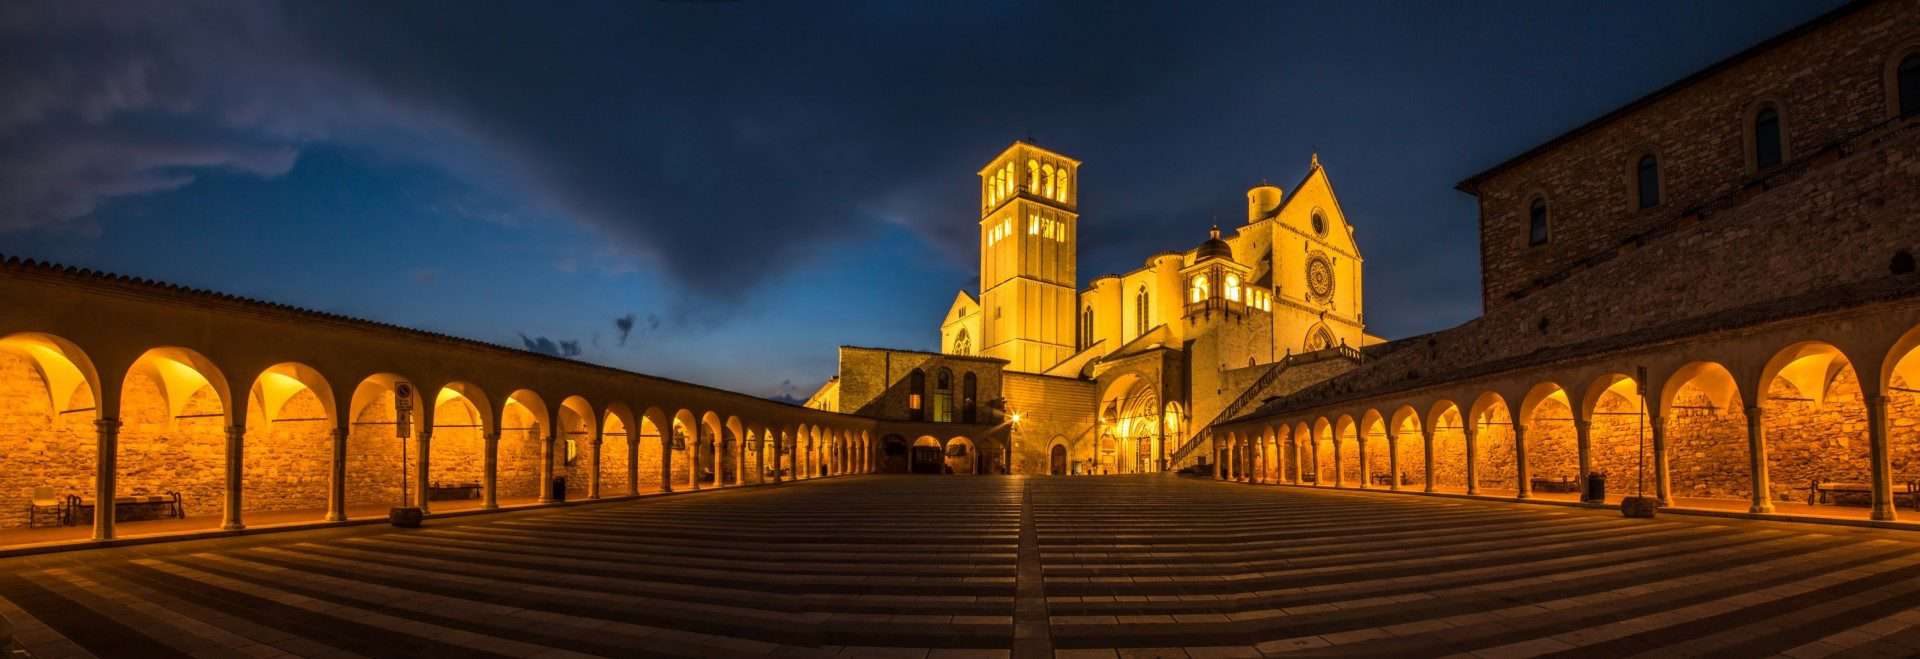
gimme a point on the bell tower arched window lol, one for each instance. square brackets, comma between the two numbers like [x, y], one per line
[1140, 309]
[943, 396]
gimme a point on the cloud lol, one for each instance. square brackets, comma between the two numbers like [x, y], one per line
[546, 346]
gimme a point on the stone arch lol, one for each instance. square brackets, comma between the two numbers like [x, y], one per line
[1300, 452]
[707, 462]
[380, 458]
[683, 438]
[1704, 427]
[462, 418]
[1448, 425]
[287, 459]
[733, 451]
[53, 394]
[1619, 446]
[1347, 452]
[893, 454]
[574, 445]
[1491, 420]
[175, 409]
[1813, 412]
[1324, 466]
[618, 459]
[928, 455]
[1377, 465]
[525, 433]
[1552, 441]
[653, 451]
[1900, 386]
[1410, 446]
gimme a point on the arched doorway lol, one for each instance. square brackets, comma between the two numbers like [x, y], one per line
[1129, 427]
[893, 455]
[928, 456]
[1057, 460]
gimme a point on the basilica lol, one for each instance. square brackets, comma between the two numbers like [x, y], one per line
[1037, 374]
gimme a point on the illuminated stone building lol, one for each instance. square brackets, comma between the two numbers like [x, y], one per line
[1116, 377]
[1711, 290]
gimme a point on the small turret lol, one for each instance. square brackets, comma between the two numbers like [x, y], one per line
[1262, 201]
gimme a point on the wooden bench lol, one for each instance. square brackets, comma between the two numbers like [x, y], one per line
[1822, 491]
[1565, 484]
[453, 491]
[1383, 479]
[169, 505]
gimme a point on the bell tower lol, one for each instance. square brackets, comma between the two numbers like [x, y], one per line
[1029, 225]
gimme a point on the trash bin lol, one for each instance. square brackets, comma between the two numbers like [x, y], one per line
[1596, 487]
[560, 488]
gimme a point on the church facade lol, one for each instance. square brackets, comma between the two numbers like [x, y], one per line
[1037, 374]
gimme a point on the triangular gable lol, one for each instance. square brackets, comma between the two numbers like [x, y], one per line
[1316, 191]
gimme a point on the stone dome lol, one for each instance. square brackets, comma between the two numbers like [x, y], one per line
[1213, 247]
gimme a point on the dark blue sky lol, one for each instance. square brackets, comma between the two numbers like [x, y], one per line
[759, 182]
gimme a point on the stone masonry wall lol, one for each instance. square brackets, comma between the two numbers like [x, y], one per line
[41, 448]
[288, 460]
[1050, 408]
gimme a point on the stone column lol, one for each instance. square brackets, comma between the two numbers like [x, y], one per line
[666, 458]
[1522, 477]
[1583, 442]
[1294, 449]
[1360, 446]
[693, 462]
[1472, 432]
[422, 444]
[236, 477]
[1393, 460]
[104, 474]
[593, 479]
[1757, 460]
[1426, 438]
[490, 470]
[719, 460]
[1883, 508]
[1662, 478]
[546, 465]
[633, 462]
[1314, 453]
[776, 459]
[337, 478]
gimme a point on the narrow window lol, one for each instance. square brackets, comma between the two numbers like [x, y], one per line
[1537, 222]
[1200, 289]
[1647, 174]
[1140, 311]
[916, 392]
[969, 393]
[1033, 175]
[1086, 328]
[1060, 186]
[943, 396]
[1909, 85]
[1046, 181]
[1766, 138]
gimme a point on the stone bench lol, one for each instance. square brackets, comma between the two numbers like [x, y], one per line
[164, 505]
[1565, 484]
[1821, 491]
[453, 491]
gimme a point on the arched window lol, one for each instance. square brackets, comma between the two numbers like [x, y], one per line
[962, 344]
[1646, 176]
[1140, 311]
[1033, 175]
[1232, 288]
[969, 397]
[1046, 181]
[1908, 85]
[916, 394]
[1060, 186]
[1086, 328]
[1769, 149]
[1201, 290]
[943, 396]
[1537, 222]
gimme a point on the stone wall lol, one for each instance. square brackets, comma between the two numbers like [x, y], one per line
[162, 453]
[1707, 448]
[875, 382]
[374, 469]
[1050, 408]
[1829, 86]
[40, 446]
[288, 459]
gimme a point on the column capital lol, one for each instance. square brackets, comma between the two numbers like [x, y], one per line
[236, 432]
[341, 433]
[1876, 400]
[493, 436]
[1582, 425]
[107, 424]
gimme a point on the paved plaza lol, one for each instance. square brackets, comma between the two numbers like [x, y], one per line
[993, 566]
